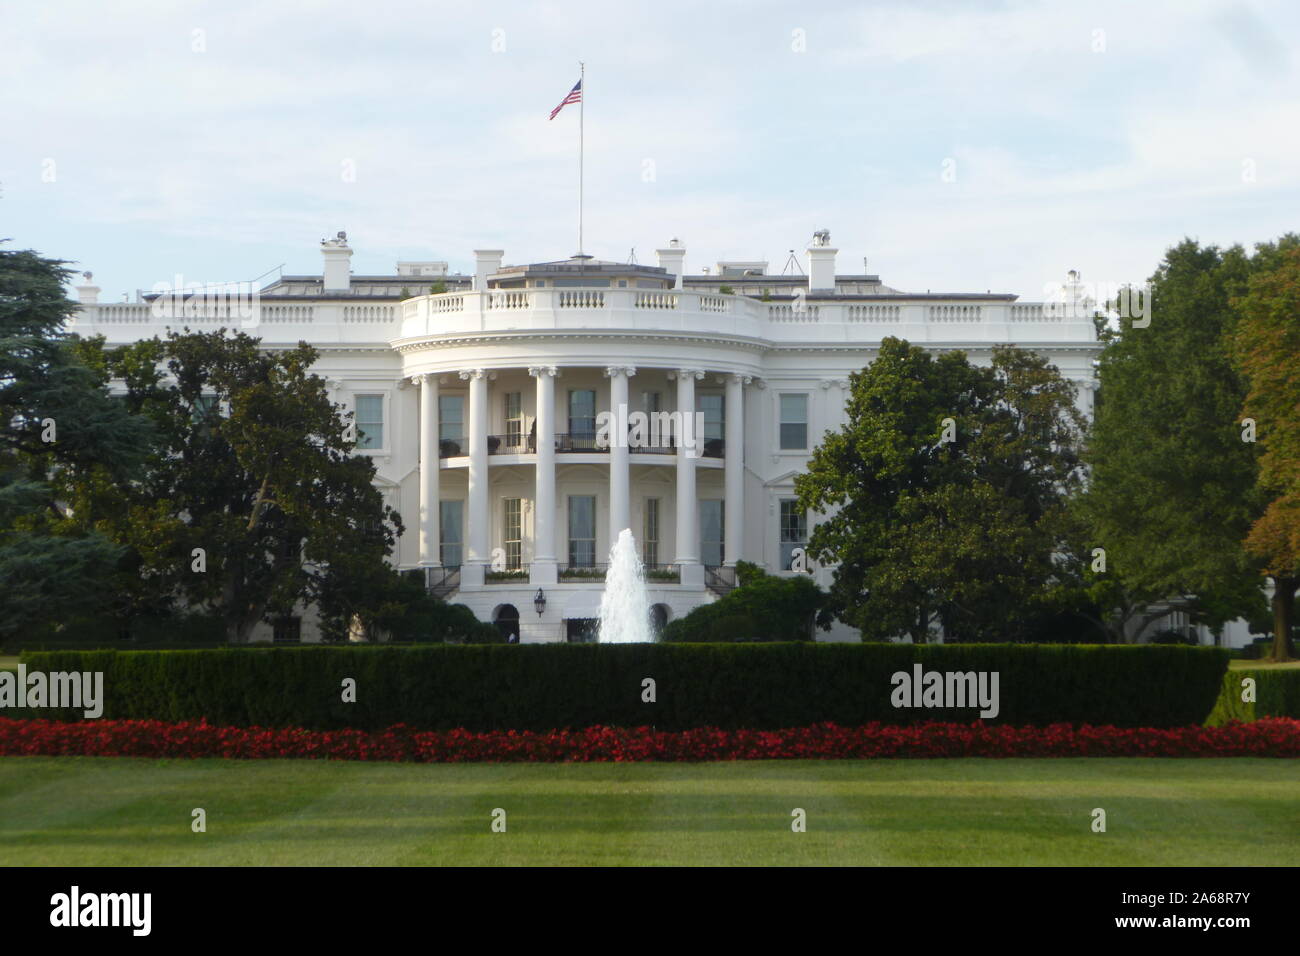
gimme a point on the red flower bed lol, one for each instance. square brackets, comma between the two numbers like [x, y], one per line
[1271, 737]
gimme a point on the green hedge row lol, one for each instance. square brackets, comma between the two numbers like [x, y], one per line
[542, 687]
[1277, 694]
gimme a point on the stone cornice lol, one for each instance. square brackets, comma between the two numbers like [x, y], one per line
[429, 343]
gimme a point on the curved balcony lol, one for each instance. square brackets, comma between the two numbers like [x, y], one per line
[921, 318]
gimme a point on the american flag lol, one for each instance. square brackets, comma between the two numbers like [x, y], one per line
[575, 96]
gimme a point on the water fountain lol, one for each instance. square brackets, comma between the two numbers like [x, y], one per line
[624, 605]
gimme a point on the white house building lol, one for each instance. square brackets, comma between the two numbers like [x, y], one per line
[480, 399]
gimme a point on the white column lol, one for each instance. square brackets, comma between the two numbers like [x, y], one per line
[544, 569]
[477, 520]
[620, 471]
[430, 552]
[688, 505]
[733, 542]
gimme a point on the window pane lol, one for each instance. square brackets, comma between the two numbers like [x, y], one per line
[712, 406]
[450, 532]
[794, 421]
[370, 421]
[650, 533]
[451, 417]
[711, 531]
[794, 530]
[582, 530]
[514, 533]
[582, 413]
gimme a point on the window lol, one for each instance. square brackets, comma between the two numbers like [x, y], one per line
[287, 630]
[582, 414]
[651, 402]
[514, 419]
[582, 531]
[712, 405]
[203, 405]
[450, 532]
[451, 425]
[794, 531]
[451, 417]
[514, 534]
[794, 421]
[370, 421]
[650, 533]
[711, 532]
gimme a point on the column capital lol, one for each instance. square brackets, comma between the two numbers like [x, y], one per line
[835, 382]
[685, 373]
[420, 379]
[536, 371]
[736, 378]
[612, 371]
[470, 373]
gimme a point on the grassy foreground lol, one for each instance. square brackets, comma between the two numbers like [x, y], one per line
[102, 811]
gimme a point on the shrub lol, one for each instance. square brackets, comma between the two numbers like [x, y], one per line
[763, 607]
[1277, 694]
[548, 686]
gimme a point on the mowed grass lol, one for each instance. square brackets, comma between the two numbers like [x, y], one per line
[102, 811]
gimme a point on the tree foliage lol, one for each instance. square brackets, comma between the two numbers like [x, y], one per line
[1173, 487]
[252, 501]
[763, 607]
[57, 424]
[943, 493]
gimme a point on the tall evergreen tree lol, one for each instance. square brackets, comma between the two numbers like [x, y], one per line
[57, 423]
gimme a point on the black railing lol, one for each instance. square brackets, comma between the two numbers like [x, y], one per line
[442, 581]
[580, 442]
[720, 580]
[518, 444]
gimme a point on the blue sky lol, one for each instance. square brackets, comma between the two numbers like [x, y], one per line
[211, 140]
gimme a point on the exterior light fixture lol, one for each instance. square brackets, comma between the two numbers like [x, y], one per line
[539, 602]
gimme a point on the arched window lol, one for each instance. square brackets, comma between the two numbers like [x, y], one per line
[506, 618]
[658, 618]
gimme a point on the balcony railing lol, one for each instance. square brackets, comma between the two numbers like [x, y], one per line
[580, 442]
[507, 576]
[515, 444]
[583, 572]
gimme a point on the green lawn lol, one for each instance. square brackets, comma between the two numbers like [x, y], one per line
[96, 811]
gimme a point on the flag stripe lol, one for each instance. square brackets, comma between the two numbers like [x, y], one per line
[575, 96]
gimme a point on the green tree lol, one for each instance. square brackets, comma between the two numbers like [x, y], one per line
[57, 422]
[942, 496]
[1173, 489]
[252, 501]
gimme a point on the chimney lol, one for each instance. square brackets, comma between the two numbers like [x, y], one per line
[821, 263]
[337, 276]
[674, 260]
[486, 262]
[88, 294]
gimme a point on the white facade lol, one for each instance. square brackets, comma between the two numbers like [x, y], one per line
[475, 402]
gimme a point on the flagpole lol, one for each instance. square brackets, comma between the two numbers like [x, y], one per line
[582, 104]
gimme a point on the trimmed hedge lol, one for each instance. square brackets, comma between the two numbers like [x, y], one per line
[549, 686]
[1277, 694]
